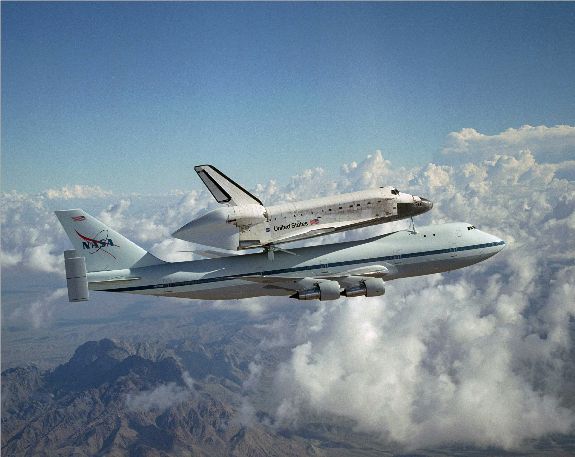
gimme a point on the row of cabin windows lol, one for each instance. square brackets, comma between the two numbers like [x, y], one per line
[351, 206]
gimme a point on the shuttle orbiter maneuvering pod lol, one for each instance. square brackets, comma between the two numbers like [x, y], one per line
[104, 260]
[246, 223]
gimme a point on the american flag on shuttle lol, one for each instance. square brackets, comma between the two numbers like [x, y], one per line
[314, 221]
[78, 218]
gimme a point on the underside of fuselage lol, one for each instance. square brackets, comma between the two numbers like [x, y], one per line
[231, 292]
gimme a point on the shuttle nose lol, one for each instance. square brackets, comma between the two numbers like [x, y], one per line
[428, 204]
[416, 205]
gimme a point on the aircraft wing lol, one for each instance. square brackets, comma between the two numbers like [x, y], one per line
[295, 282]
[305, 233]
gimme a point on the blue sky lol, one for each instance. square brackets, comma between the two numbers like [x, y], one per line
[130, 96]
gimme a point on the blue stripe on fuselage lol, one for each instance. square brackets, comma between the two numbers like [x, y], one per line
[304, 268]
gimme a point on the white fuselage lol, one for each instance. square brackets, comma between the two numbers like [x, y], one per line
[254, 225]
[361, 208]
[432, 249]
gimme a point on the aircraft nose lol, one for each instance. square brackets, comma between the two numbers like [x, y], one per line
[494, 244]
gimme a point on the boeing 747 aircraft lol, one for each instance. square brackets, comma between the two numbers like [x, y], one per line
[103, 260]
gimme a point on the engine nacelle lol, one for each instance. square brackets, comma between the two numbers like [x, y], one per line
[76, 276]
[368, 287]
[324, 290]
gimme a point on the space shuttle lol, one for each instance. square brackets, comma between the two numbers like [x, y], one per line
[244, 222]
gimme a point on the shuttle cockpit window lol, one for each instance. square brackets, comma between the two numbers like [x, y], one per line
[394, 191]
[471, 227]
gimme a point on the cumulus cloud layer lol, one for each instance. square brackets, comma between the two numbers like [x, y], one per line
[77, 191]
[442, 364]
[39, 312]
[476, 356]
[548, 144]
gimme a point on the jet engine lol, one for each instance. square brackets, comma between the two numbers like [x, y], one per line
[368, 287]
[324, 290]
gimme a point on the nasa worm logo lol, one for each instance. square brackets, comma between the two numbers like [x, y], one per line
[99, 242]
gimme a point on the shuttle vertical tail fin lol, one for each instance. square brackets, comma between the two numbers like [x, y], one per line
[102, 247]
[224, 189]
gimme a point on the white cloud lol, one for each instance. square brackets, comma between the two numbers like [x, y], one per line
[257, 307]
[29, 234]
[310, 183]
[115, 215]
[161, 397]
[548, 144]
[39, 312]
[375, 171]
[441, 365]
[437, 176]
[477, 356]
[43, 258]
[10, 259]
[77, 191]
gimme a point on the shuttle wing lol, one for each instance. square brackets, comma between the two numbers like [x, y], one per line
[322, 229]
[225, 190]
